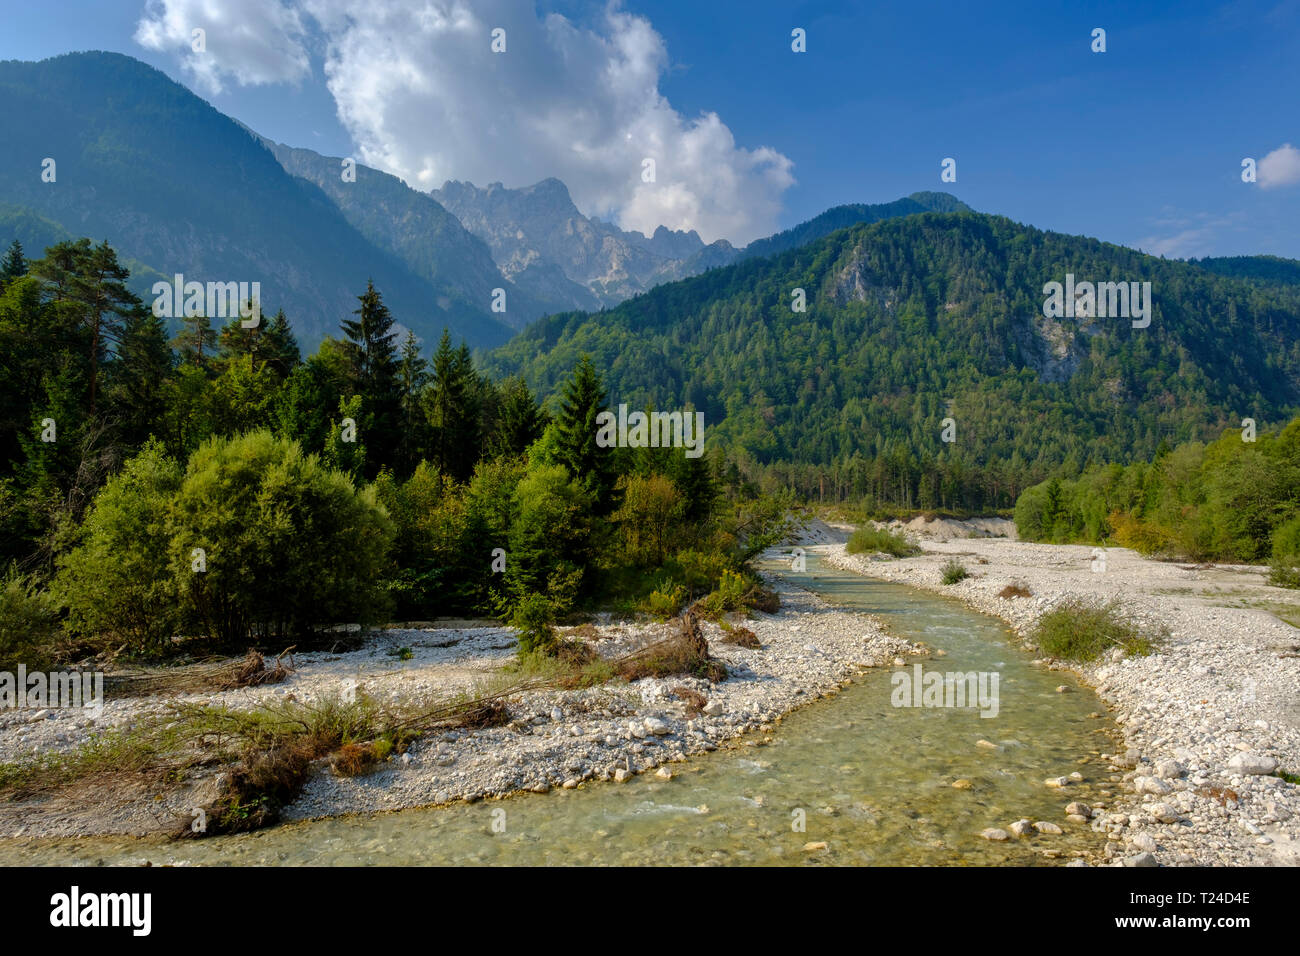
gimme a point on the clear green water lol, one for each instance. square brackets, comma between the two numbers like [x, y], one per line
[874, 782]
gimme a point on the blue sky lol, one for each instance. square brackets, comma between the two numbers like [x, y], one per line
[1141, 145]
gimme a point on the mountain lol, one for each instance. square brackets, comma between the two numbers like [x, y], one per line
[543, 243]
[412, 226]
[172, 183]
[841, 217]
[915, 319]
[1264, 268]
[546, 246]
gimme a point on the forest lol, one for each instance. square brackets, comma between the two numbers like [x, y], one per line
[915, 320]
[201, 490]
[1235, 500]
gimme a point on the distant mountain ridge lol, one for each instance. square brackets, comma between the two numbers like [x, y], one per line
[173, 183]
[915, 318]
[545, 245]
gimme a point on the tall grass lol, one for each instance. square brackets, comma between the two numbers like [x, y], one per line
[871, 540]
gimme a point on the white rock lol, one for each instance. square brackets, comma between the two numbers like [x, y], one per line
[1020, 827]
[1251, 763]
[1050, 828]
[1151, 785]
[657, 727]
[1145, 841]
[995, 834]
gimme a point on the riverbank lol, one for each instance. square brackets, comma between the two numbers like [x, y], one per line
[1208, 719]
[557, 738]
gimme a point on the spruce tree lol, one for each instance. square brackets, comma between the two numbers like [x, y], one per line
[593, 467]
[370, 347]
[13, 265]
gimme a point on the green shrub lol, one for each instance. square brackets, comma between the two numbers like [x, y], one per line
[700, 571]
[1083, 629]
[953, 571]
[118, 583]
[29, 624]
[665, 601]
[870, 540]
[1285, 570]
[533, 618]
[288, 542]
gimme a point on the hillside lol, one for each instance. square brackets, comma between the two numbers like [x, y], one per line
[910, 314]
[173, 183]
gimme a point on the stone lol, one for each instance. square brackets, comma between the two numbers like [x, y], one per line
[1057, 782]
[1151, 785]
[1252, 764]
[995, 834]
[1141, 859]
[962, 784]
[1051, 829]
[656, 726]
[986, 744]
[1169, 769]
[1164, 813]
[1021, 827]
[1076, 808]
[712, 708]
[663, 773]
[812, 847]
[557, 714]
[620, 775]
[1145, 841]
[570, 784]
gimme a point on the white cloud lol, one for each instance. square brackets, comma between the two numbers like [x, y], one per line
[425, 98]
[249, 41]
[1279, 168]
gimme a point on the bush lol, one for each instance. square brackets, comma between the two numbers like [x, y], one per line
[533, 618]
[871, 540]
[29, 625]
[118, 582]
[665, 601]
[953, 571]
[288, 542]
[1286, 555]
[1082, 630]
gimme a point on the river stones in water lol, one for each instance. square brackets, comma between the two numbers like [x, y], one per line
[996, 834]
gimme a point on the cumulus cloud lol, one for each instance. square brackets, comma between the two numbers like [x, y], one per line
[248, 41]
[424, 97]
[1279, 168]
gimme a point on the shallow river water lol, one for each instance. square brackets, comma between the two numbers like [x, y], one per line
[872, 781]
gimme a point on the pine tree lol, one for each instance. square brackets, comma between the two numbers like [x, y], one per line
[451, 407]
[138, 377]
[413, 377]
[13, 265]
[88, 283]
[196, 342]
[520, 419]
[370, 347]
[591, 466]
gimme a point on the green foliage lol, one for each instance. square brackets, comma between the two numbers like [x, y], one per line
[289, 543]
[533, 618]
[118, 583]
[872, 540]
[953, 571]
[29, 624]
[845, 401]
[1082, 630]
[1285, 571]
[1226, 501]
